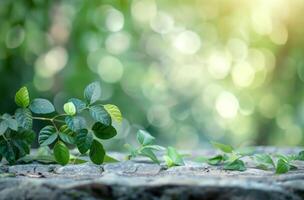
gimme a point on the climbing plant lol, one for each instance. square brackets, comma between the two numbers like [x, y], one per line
[69, 128]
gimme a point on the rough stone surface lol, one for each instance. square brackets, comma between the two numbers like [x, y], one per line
[141, 179]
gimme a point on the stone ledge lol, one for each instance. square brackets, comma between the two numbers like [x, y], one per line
[141, 179]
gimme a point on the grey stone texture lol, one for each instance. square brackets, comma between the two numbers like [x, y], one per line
[142, 179]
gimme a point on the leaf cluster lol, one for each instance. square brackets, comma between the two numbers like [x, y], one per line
[64, 130]
[148, 149]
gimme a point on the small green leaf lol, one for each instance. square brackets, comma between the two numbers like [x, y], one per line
[74, 160]
[237, 165]
[83, 140]
[215, 160]
[92, 92]
[41, 106]
[223, 147]
[3, 127]
[80, 105]
[133, 152]
[22, 98]
[154, 147]
[24, 118]
[176, 158]
[75, 123]
[264, 159]
[109, 159]
[12, 124]
[168, 161]
[69, 108]
[66, 138]
[103, 132]
[26, 135]
[149, 153]
[144, 138]
[61, 153]
[114, 112]
[300, 156]
[97, 153]
[282, 166]
[47, 135]
[99, 113]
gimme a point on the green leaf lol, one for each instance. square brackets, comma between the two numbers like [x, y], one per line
[12, 124]
[215, 160]
[3, 127]
[24, 118]
[97, 153]
[92, 92]
[168, 161]
[114, 112]
[80, 105]
[223, 147]
[22, 147]
[8, 151]
[75, 123]
[41, 106]
[61, 153]
[22, 98]
[99, 113]
[264, 159]
[176, 158]
[74, 160]
[83, 140]
[26, 135]
[149, 153]
[103, 132]
[47, 135]
[282, 166]
[69, 108]
[66, 138]
[109, 159]
[237, 165]
[154, 147]
[133, 152]
[300, 156]
[144, 138]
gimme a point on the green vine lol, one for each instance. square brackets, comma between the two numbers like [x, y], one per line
[71, 128]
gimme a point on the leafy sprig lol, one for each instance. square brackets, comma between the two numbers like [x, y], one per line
[148, 149]
[63, 130]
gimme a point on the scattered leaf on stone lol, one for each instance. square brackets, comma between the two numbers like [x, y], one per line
[237, 165]
[223, 147]
[282, 166]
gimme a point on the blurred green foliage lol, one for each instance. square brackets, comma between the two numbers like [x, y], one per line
[187, 71]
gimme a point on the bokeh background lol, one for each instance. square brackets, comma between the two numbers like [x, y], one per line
[187, 71]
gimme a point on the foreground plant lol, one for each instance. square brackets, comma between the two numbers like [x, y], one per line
[283, 164]
[69, 128]
[229, 158]
[148, 149]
